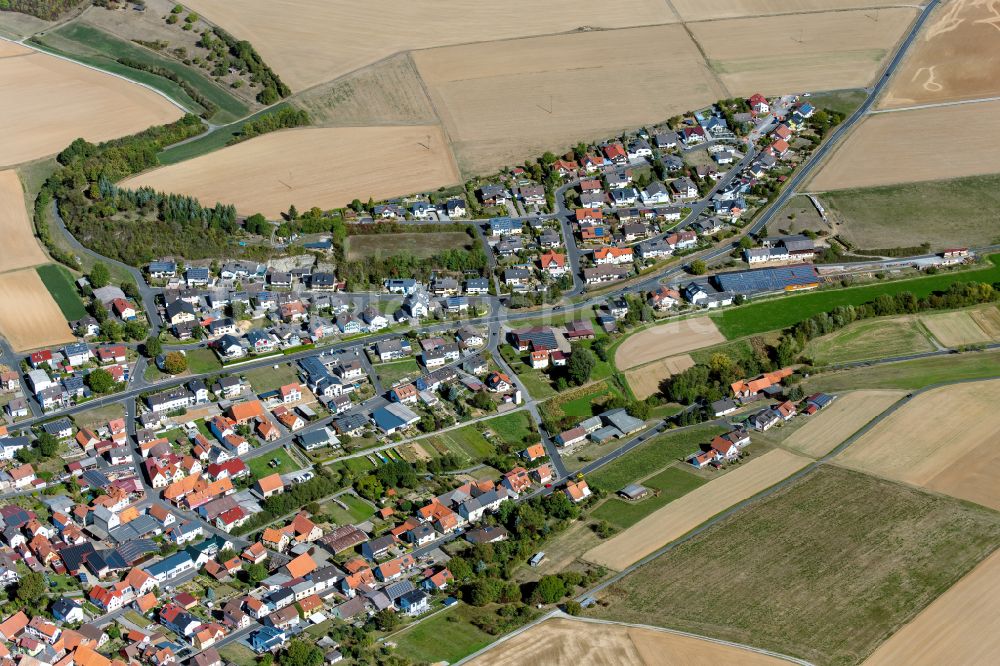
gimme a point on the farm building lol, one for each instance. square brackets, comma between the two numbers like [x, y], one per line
[766, 280]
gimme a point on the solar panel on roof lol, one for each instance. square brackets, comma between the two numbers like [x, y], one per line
[767, 279]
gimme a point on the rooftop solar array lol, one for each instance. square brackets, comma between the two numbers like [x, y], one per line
[767, 279]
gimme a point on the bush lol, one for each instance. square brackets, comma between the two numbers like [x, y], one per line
[175, 362]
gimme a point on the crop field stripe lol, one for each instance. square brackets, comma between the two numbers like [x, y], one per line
[59, 283]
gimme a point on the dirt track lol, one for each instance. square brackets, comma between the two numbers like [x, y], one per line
[687, 512]
[962, 626]
[664, 340]
[562, 642]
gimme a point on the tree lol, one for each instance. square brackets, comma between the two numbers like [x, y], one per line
[47, 444]
[130, 289]
[112, 330]
[746, 243]
[573, 607]
[153, 346]
[114, 632]
[31, 589]
[100, 381]
[136, 330]
[386, 619]
[580, 365]
[698, 267]
[175, 362]
[550, 589]
[301, 653]
[369, 487]
[485, 591]
[99, 276]
[257, 572]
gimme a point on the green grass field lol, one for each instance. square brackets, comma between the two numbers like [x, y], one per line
[100, 49]
[99, 416]
[583, 405]
[214, 140]
[59, 282]
[390, 373]
[909, 374]
[843, 101]
[825, 569]
[784, 311]
[864, 340]
[910, 214]
[357, 511]
[260, 466]
[201, 361]
[239, 654]
[448, 636]
[655, 454]
[672, 483]
[270, 378]
[467, 443]
[512, 428]
[421, 245]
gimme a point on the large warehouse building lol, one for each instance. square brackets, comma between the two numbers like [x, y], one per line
[765, 280]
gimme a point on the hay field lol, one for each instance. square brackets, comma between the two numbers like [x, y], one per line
[827, 51]
[325, 167]
[955, 57]
[699, 10]
[503, 101]
[30, 318]
[953, 329]
[47, 102]
[387, 93]
[20, 247]
[962, 626]
[947, 440]
[687, 512]
[909, 146]
[568, 642]
[645, 381]
[667, 340]
[826, 429]
[311, 41]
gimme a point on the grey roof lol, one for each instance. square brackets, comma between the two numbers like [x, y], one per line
[54, 427]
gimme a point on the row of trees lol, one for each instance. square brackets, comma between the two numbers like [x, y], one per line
[271, 122]
[48, 10]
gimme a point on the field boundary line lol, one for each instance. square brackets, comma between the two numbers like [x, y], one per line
[936, 105]
[38, 49]
[560, 615]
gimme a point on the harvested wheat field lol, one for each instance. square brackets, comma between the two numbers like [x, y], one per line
[30, 318]
[956, 56]
[833, 50]
[909, 146]
[691, 510]
[845, 416]
[645, 381]
[953, 329]
[504, 101]
[566, 642]
[47, 102]
[311, 41]
[947, 440]
[667, 340]
[699, 10]
[307, 167]
[8, 49]
[962, 626]
[20, 247]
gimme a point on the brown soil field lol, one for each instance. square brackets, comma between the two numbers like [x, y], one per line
[504, 101]
[30, 318]
[645, 381]
[20, 247]
[8, 49]
[947, 440]
[849, 413]
[568, 642]
[325, 167]
[955, 57]
[698, 10]
[909, 146]
[953, 329]
[667, 340]
[312, 41]
[389, 92]
[47, 102]
[690, 510]
[988, 320]
[962, 626]
[833, 50]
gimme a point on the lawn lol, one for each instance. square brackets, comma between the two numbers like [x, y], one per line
[863, 340]
[513, 428]
[99, 416]
[390, 373]
[671, 482]
[448, 636]
[842, 101]
[655, 454]
[202, 361]
[420, 245]
[59, 282]
[357, 510]
[239, 654]
[910, 214]
[590, 402]
[260, 466]
[217, 138]
[824, 569]
[909, 374]
[781, 312]
[271, 377]
[97, 48]
[466, 442]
